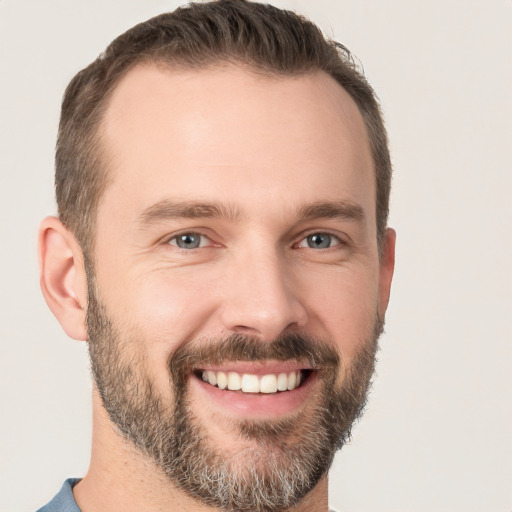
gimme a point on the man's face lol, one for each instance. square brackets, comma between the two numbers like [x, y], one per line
[235, 246]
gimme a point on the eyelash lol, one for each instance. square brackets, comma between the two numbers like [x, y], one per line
[333, 238]
[304, 240]
[177, 237]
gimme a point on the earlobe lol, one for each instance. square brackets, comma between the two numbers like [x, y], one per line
[62, 277]
[387, 267]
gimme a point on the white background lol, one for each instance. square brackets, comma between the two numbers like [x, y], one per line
[437, 434]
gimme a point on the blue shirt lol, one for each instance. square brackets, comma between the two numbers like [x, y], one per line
[64, 501]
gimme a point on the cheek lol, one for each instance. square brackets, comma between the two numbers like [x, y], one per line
[167, 308]
[345, 307]
[159, 313]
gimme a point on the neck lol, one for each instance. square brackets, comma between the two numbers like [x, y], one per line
[121, 478]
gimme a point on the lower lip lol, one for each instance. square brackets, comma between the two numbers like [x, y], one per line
[261, 405]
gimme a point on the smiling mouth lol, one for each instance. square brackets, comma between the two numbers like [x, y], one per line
[251, 383]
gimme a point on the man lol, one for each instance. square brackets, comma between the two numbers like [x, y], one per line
[222, 177]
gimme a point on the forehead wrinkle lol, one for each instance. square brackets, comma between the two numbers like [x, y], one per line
[168, 209]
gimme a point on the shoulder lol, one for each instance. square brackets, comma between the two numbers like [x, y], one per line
[64, 500]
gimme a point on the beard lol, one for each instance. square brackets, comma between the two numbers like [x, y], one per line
[282, 459]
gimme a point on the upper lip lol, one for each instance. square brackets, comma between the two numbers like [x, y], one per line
[257, 367]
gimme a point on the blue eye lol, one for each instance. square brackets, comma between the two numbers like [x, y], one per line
[320, 241]
[188, 240]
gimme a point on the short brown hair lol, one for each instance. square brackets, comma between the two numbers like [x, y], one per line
[263, 37]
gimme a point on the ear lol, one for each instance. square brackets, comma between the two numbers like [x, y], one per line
[62, 276]
[387, 267]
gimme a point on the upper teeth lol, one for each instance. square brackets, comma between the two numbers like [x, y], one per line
[250, 383]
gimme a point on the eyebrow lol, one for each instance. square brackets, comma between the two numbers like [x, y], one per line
[169, 210]
[343, 210]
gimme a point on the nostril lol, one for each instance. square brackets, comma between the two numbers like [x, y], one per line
[245, 330]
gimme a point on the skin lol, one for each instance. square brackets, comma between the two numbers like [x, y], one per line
[263, 147]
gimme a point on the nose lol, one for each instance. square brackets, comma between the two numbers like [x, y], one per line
[260, 297]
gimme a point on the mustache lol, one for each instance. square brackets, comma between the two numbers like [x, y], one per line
[236, 347]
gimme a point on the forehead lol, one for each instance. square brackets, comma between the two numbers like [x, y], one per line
[226, 132]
